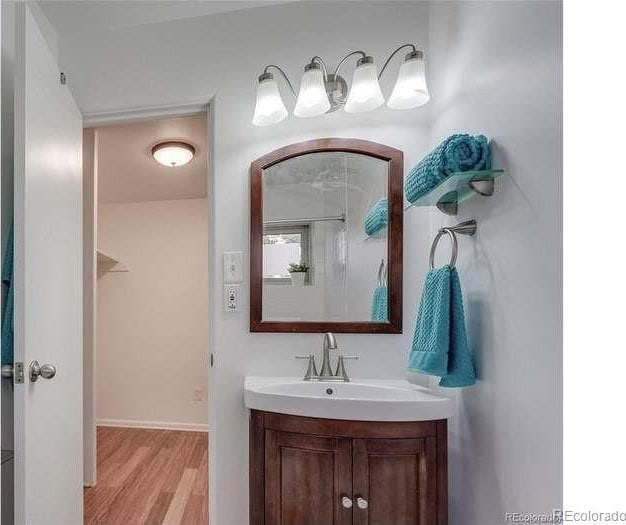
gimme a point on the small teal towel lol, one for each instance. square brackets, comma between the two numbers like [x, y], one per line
[460, 152]
[379, 304]
[440, 342]
[377, 216]
[7, 316]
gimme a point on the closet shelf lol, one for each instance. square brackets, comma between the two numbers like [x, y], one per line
[458, 187]
[109, 263]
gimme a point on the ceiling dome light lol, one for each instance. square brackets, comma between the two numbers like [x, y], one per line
[173, 153]
[365, 93]
[312, 97]
[269, 108]
[410, 90]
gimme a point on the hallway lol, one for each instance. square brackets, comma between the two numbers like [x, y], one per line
[149, 477]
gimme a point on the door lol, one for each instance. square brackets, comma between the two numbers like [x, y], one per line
[394, 481]
[306, 479]
[48, 284]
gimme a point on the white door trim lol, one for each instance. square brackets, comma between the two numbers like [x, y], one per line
[129, 115]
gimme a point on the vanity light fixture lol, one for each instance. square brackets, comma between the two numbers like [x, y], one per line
[173, 153]
[323, 92]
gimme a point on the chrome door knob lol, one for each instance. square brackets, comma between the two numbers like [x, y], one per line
[346, 502]
[46, 371]
[361, 503]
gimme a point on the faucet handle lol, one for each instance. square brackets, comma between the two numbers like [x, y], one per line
[341, 369]
[311, 371]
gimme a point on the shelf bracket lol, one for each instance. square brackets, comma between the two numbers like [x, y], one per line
[484, 187]
[449, 203]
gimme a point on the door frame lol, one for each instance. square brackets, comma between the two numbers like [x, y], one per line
[183, 109]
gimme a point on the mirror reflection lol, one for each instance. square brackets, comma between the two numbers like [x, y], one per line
[325, 219]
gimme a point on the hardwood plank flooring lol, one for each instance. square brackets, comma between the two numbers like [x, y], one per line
[149, 477]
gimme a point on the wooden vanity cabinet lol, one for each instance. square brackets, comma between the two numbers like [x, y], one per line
[307, 471]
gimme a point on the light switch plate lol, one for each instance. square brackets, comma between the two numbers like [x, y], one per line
[232, 299]
[233, 267]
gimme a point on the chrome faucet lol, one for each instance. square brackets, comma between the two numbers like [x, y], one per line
[326, 374]
[330, 343]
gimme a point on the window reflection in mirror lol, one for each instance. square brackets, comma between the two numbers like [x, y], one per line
[284, 246]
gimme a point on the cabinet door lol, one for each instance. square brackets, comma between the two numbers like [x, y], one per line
[394, 481]
[306, 478]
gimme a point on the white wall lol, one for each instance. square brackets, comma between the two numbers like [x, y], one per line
[496, 69]
[289, 35]
[151, 321]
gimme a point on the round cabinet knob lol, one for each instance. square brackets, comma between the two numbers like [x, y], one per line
[46, 371]
[361, 503]
[346, 502]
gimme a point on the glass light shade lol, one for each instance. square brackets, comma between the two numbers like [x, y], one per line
[365, 93]
[410, 90]
[173, 154]
[269, 108]
[312, 97]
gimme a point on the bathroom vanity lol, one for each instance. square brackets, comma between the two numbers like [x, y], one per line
[332, 470]
[328, 471]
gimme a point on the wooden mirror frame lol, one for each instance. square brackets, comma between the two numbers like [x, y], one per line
[395, 160]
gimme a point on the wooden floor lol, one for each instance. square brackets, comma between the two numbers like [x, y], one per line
[149, 477]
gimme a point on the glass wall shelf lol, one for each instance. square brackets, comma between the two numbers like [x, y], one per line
[458, 187]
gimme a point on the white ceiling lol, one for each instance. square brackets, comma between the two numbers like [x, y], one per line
[70, 17]
[128, 173]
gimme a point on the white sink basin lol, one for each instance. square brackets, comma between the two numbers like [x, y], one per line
[359, 400]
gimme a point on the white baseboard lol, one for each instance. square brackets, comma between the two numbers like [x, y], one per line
[157, 425]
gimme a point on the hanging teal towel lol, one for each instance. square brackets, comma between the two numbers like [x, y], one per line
[377, 216]
[7, 315]
[379, 304]
[460, 152]
[440, 341]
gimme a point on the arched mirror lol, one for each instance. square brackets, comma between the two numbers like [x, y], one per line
[326, 238]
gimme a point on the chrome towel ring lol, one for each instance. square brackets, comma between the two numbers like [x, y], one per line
[463, 228]
[455, 247]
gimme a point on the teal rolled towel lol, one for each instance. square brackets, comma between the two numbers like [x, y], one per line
[459, 152]
[379, 304]
[440, 341]
[377, 217]
[7, 315]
